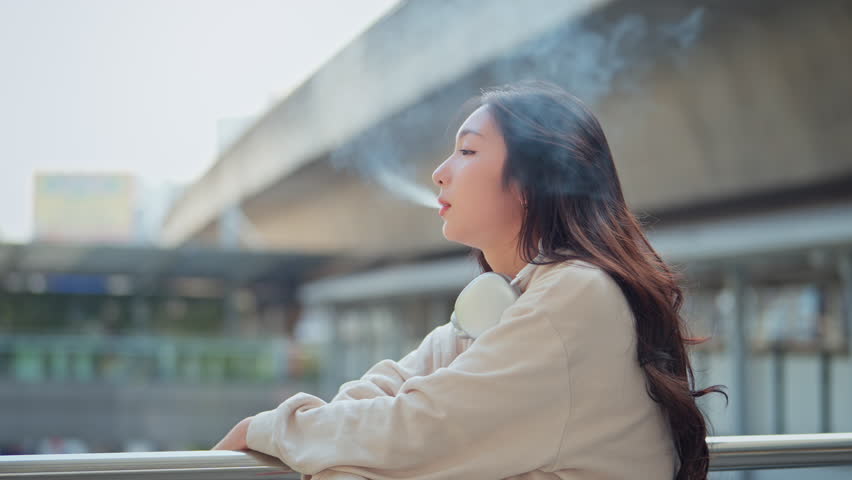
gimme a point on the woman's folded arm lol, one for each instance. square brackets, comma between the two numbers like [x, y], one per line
[386, 377]
[497, 410]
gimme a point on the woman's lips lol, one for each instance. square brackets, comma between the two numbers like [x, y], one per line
[445, 205]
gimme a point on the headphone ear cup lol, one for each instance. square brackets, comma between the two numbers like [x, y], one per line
[457, 329]
[481, 304]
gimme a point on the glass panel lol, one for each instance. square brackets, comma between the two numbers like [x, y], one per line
[803, 316]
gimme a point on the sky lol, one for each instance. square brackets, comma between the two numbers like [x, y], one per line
[138, 86]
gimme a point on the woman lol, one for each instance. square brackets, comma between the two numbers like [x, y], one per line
[586, 375]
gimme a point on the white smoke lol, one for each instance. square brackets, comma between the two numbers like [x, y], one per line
[590, 62]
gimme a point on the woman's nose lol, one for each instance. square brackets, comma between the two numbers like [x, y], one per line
[439, 175]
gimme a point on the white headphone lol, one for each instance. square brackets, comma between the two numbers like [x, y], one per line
[482, 302]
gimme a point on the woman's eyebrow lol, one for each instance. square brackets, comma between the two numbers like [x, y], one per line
[466, 131]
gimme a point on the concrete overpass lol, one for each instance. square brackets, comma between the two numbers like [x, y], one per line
[737, 110]
[279, 167]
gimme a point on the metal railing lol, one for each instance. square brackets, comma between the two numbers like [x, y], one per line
[755, 452]
[205, 465]
[764, 452]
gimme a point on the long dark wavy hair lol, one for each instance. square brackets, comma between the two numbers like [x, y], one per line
[560, 158]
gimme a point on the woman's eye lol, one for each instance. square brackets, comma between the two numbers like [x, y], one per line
[466, 152]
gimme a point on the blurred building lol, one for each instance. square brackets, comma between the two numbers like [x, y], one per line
[113, 346]
[143, 347]
[99, 208]
[108, 343]
[84, 208]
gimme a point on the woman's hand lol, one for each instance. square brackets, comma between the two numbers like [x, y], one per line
[236, 438]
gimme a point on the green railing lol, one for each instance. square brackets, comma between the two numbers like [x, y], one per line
[83, 358]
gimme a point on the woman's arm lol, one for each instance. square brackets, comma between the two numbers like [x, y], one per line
[499, 409]
[386, 377]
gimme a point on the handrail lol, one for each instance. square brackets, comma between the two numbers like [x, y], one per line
[224, 465]
[763, 452]
[749, 452]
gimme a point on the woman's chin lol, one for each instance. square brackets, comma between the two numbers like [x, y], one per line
[449, 234]
[444, 231]
[452, 236]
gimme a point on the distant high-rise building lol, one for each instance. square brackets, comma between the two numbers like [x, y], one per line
[84, 207]
[99, 208]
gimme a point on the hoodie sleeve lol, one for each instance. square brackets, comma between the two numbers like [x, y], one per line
[386, 377]
[499, 409]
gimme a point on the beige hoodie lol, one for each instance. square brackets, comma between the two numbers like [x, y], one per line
[554, 391]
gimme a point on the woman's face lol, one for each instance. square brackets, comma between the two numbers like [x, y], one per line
[481, 213]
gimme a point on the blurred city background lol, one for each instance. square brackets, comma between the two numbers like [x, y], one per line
[208, 206]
